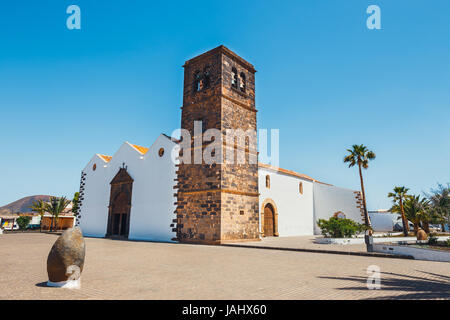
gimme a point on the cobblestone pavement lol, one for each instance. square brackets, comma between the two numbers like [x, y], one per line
[149, 270]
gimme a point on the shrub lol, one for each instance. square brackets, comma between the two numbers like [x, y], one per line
[447, 242]
[432, 239]
[23, 222]
[339, 227]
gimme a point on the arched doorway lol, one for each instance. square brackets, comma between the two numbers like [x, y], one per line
[269, 221]
[120, 205]
[269, 218]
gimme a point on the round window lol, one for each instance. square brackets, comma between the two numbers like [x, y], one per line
[339, 215]
[161, 152]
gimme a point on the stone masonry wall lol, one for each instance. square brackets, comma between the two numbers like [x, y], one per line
[218, 202]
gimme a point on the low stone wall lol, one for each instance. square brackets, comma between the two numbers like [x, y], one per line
[344, 241]
[21, 231]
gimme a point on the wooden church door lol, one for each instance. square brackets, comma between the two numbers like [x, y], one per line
[120, 215]
[120, 205]
[268, 221]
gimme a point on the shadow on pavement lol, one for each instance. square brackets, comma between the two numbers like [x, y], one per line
[414, 287]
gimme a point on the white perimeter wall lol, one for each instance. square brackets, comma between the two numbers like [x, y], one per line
[152, 207]
[383, 221]
[295, 210]
[330, 199]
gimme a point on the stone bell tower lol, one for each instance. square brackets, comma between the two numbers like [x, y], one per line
[218, 202]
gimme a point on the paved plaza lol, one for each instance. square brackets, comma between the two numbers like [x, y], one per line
[148, 270]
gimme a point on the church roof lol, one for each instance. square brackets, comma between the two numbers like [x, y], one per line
[224, 50]
[104, 157]
[171, 138]
[142, 150]
[289, 172]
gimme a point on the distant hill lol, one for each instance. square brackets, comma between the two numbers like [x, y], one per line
[22, 205]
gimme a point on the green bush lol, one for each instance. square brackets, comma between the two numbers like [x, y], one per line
[447, 242]
[23, 222]
[432, 239]
[339, 227]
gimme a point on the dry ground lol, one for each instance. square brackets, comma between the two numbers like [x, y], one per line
[148, 270]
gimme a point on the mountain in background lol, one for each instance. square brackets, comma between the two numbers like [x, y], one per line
[23, 205]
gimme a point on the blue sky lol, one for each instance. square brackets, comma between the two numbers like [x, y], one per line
[323, 79]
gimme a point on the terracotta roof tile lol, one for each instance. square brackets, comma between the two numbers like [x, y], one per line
[142, 150]
[290, 172]
[105, 158]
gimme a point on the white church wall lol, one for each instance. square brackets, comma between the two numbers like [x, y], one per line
[152, 203]
[331, 199]
[153, 200]
[94, 209]
[295, 210]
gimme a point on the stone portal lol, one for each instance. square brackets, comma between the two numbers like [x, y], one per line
[120, 205]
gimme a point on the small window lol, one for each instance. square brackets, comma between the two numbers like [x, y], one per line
[234, 78]
[241, 212]
[197, 81]
[242, 84]
[94, 167]
[206, 78]
[161, 152]
[267, 181]
[339, 215]
[300, 187]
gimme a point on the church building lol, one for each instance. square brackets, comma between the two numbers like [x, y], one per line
[143, 193]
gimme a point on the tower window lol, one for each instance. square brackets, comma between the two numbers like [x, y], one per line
[242, 83]
[197, 81]
[206, 77]
[234, 78]
[300, 187]
[267, 181]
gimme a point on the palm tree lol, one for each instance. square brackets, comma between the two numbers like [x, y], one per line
[39, 207]
[416, 212]
[55, 207]
[426, 215]
[440, 204]
[398, 196]
[360, 155]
